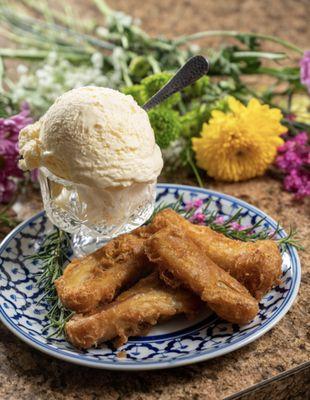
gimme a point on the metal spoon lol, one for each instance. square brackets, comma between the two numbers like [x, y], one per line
[191, 71]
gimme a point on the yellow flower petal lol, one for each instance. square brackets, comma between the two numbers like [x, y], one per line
[240, 144]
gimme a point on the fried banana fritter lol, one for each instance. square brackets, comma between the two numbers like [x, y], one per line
[182, 262]
[98, 277]
[133, 313]
[257, 265]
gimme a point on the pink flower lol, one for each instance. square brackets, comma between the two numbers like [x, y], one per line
[298, 182]
[291, 117]
[9, 171]
[219, 220]
[198, 218]
[294, 160]
[236, 226]
[290, 159]
[301, 138]
[8, 158]
[305, 70]
[193, 204]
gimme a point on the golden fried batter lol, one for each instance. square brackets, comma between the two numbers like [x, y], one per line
[257, 265]
[98, 277]
[181, 261]
[132, 313]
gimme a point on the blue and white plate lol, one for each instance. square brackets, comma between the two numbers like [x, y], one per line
[177, 342]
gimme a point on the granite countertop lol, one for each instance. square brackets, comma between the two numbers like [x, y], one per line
[28, 374]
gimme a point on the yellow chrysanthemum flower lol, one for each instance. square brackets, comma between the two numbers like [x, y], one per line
[240, 144]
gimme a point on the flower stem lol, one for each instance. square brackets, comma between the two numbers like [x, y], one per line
[194, 168]
[33, 54]
[236, 34]
[58, 15]
[260, 54]
[103, 7]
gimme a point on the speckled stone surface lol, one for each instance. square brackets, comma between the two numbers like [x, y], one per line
[27, 374]
[291, 384]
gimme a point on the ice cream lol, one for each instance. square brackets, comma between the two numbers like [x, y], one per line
[101, 141]
[93, 136]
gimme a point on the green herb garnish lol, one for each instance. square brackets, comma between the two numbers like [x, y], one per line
[249, 234]
[53, 256]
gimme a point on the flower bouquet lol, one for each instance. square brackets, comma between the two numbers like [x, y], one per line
[221, 126]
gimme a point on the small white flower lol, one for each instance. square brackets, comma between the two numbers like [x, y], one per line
[194, 48]
[22, 69]
[122, 18]
[52, 57]
[56, 75]
[41, 74]
[97, 60]
[101, 31]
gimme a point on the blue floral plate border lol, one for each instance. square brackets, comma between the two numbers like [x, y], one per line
[175, 343]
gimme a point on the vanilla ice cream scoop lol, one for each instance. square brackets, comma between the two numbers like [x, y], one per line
[93, 136]
[98, 162]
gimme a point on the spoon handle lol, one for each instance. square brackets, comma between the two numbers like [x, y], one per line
[191, 71]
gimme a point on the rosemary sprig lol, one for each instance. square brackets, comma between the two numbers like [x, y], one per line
[247, 234]
[291, 239]
[53, 255]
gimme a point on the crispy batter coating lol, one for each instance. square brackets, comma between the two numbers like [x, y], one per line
[257, 265]
[182, 262]
[98, 277]
[131, 314]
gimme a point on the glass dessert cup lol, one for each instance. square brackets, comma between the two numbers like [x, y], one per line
[95, 215]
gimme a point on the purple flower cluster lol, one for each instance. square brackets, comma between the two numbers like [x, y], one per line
[200, 218]
[9, 171]
[234, 225]
[305, 70]
[196, 204]
[294, 161]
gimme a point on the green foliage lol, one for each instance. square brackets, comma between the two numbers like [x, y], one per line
[181, 114]
[6, 219]
[6, 106]
[3, 112]
[53, 255]
[155, 82]
[222, 105]
[166, 124]
[197, 89]
[137, 92]
[193, 120]
[139, 68]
